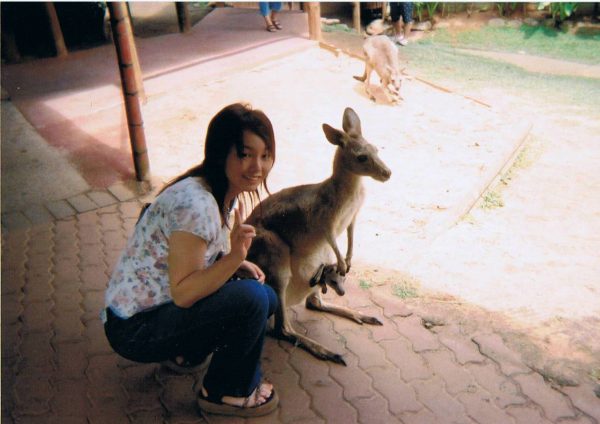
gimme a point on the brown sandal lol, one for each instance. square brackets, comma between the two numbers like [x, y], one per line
[277, 24]
[271, 28]
[215, 406]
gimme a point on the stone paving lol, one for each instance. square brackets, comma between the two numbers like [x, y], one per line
[422, 366]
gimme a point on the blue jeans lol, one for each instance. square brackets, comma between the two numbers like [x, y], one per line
[267, 6]
[231, 323]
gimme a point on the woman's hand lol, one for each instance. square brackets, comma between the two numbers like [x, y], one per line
[249, 269]
[241, 235]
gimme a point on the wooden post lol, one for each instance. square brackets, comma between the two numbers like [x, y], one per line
[135, 123]
[384, 8]
[136, 62]
[57, 35]
[356, 16]
[314, 20]
[183, 16]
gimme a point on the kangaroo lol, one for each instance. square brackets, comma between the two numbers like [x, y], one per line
[296, 231]
[381, 55]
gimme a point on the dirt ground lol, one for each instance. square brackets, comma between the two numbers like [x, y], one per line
[530, 269]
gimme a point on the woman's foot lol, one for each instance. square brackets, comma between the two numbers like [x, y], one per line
[277, 24]
[259, 396]
[262, 401]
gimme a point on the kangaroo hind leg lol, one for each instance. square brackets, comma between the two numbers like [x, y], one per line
[314, 302]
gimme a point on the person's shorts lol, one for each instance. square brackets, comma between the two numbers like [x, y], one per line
[404, 9]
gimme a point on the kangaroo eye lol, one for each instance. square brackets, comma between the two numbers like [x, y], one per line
[362, 158]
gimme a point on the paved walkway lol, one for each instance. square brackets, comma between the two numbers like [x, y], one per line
[428, 363]
[422, 366]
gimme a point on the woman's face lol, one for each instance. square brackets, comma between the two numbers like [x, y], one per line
[246, 173]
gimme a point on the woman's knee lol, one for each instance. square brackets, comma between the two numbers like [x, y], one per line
[254, 297]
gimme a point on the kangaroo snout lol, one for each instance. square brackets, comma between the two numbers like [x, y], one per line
[383, 175]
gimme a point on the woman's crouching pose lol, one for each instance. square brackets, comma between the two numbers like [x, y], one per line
[183, 289]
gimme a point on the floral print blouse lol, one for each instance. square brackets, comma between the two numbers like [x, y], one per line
[140, 280]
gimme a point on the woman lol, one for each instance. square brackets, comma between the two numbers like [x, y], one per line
[269, 11]
[172, 296]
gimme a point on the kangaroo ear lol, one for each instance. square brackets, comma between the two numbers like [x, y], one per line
[351, 122]
[334, 136]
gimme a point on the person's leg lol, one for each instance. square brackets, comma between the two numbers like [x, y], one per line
[235, 367]
[275, 8]
[407, 12]
[265, 11]
[395, 11]
[231, 323]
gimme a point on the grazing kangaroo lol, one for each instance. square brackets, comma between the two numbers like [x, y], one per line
[296, 231]
[381, 55]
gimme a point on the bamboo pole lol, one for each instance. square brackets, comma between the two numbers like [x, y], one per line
[384, 9]
[183, 16]
[356, 16]
[136, 62]
[135, 123]
[57, 35]
[314, 20]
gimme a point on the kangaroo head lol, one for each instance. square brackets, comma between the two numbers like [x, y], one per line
[355, 154]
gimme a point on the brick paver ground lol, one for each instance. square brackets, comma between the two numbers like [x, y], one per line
[57, 366]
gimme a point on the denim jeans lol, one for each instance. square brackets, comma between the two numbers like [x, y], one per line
[231, 323]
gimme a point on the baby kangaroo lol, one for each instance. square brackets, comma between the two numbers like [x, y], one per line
[297, 230]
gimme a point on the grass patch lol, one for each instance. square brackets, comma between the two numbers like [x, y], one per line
[336, 28]
[365, 285]
[464, 72]
[581, 46]
[491, 200]
[404, 290]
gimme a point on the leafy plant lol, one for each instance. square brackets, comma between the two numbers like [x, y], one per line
[560, 10]
[421, 6]
[419, 10]
[431, 8]
[506, 8]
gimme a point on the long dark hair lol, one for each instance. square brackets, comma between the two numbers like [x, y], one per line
[226, 130]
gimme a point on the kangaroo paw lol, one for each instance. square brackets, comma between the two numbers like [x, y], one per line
[365, 319]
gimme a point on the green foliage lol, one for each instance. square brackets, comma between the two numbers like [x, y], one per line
[506, 8]
[431, 8]
[421, 6]
[559, 10]
[419, 10]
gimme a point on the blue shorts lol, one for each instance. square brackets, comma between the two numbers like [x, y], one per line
[404, 9]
